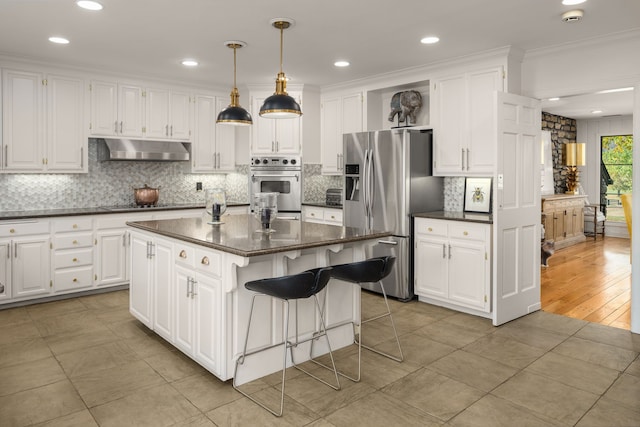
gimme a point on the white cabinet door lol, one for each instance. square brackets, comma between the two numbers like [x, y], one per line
[5, 270]
[282, 136]
[104, 108]
[203, 146]
[180, 113]
[331, 136]
[111, 255]
[352, 114]
[129, 110]
[208, 306]
[163, 289]
[225, 141]
[467, 268]
[141, 283]
[183, 301]
[263, 130]
[481, 133]
[66, 141]
[22, 121]
[157, 114]
[431, 266]
[449, 132]
[30, 269]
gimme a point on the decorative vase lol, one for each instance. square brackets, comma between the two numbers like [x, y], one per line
[265, 209]
[216, 204]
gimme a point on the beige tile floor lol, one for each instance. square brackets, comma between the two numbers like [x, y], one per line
[87, 362]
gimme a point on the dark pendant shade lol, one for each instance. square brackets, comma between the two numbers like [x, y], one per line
[234, 115]
[279, 106]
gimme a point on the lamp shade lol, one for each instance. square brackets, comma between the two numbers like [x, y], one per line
[280, 106]
[234, 115]
[575, 154]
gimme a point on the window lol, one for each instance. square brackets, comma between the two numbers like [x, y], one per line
[616, 172]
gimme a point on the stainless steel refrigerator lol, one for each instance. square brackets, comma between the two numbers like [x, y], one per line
[388, 177]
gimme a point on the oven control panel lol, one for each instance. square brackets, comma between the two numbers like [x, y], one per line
[276, 162]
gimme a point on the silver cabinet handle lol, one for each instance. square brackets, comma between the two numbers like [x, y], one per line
[193, 288]
[81, 157]
[115, 127]
[273, 146]
[166, 130]
[15, 250]
[278, 146]
[218, 155]
[124, 239]
[462, 158]
[449, 251]
[214, 160]
[120, 126]
[188, 285]
[8, 250]
[467, 159]
[6, 155]
[171, 130]
[444, 250]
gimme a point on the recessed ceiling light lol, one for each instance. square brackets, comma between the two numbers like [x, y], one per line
[58, 40]
[189, 62]
[430, 40]
[621, 89]
[596, 112]
[572, 2]
[554, 99]
[341, 63]
[89, 5]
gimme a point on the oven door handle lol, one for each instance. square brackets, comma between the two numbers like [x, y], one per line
[296, 176]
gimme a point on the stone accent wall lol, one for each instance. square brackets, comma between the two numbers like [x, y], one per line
[563, 130]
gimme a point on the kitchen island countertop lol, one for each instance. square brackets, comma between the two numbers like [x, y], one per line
[238, 235]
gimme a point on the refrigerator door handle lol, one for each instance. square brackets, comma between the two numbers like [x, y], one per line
[365, 187]
[388, 242]
[370, 188]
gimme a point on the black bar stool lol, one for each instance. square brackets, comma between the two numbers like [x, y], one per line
[371, 270]
[293, 287]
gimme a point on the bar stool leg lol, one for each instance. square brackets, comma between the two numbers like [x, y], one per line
[393, 326]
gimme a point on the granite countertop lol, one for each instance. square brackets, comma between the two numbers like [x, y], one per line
[457, 216]
[43, 213]
[321, 205]
[238, 235]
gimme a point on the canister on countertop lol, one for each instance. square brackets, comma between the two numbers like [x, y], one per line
[334, 197]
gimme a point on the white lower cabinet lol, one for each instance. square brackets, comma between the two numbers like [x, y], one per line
[330, 216]
[111, 258]
[452, 264]
[152, 267]
[72, 266]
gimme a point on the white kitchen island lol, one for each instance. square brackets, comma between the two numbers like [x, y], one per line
[187, 284]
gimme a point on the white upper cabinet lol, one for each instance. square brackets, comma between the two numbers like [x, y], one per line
[116, 109]
[213, 146]
[268, 136]
[464, 135]
[167, 114]
[339, 115]
[42, 123]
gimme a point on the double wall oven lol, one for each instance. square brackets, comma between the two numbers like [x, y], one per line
[282, 175]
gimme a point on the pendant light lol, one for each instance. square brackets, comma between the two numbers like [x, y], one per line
[234, 114]
[280, 105]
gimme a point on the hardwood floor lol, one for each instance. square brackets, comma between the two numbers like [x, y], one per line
[590, 281]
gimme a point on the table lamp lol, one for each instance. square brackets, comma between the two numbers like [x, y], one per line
[574, 156]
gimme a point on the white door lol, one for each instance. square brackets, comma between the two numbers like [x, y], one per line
[225, 140]
[22, 121]
[141, 283]
[129, 110]
[450, 118]
[104, 108]
[263, 130]
[331, 135]
[183, 300]
[163, 289]
[66, 139]
[157, 113]
[467, 278]
[111, 257]
[31, 274]
[204, 143]
[431, 267]
[517, 220]
[179, 127]
[480, 119]
[207, 305]
[287, 135]
[5, 270]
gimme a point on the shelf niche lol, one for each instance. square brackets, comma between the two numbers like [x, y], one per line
[379, 106]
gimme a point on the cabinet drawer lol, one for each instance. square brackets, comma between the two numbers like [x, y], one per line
[185, 255]
[313, 214]
[73, 258]
[23, 228]
[333, 216]
[71, 279]
[76, 224]
[467, 231]
[73, 240]
[208, 262]
[430, 227]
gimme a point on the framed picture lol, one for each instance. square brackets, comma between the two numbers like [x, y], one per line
[477, 195]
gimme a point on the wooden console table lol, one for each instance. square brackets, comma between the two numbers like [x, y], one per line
[563, 219]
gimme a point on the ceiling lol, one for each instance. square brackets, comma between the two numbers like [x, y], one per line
[151, 37]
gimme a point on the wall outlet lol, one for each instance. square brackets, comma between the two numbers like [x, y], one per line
[198, 186]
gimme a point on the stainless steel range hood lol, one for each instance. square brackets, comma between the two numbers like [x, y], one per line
[140, 149]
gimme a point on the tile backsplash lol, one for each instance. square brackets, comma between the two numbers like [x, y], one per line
[111, 183]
